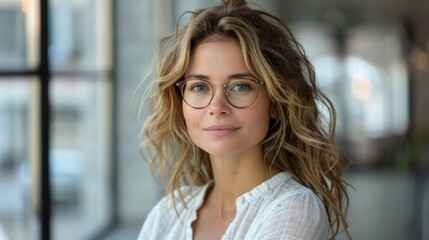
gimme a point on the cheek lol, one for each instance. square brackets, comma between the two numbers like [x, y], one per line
[262, 122]
[262, 117]
[190, 116]
[262, 110]
[186, 114]
[257, 119]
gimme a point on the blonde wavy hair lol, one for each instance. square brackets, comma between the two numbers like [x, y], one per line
[300, 141]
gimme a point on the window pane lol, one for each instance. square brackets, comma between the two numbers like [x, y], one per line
[17, 170]
[18, 23]
[80, 156]
[80, 35]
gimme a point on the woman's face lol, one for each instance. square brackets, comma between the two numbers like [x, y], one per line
[221, 129]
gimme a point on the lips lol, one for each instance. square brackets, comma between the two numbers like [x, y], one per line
[221, 130]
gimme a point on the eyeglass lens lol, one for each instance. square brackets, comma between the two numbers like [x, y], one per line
[239, 93]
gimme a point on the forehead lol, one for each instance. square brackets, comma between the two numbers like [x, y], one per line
[217, 56]
[219, 42]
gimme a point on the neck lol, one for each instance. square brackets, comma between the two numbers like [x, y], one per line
[234, 176]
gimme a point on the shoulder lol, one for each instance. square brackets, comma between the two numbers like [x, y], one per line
[283, 189]
[295, 211]
[297, 198]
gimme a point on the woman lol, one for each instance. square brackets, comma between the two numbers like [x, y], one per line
[236, 132]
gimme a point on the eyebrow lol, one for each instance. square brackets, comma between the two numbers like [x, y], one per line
[232, 76]
[198, 76]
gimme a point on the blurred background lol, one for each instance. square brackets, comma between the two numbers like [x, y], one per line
[70, 167]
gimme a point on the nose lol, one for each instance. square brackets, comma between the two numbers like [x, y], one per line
[219, 105]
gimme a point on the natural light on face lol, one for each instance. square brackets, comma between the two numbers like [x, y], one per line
[220, 128]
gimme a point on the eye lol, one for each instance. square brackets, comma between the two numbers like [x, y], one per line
[241, 86]
[197, 86]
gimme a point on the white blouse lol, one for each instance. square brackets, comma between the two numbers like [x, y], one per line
[279, 208]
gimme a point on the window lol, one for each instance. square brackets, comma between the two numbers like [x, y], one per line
[79, 133]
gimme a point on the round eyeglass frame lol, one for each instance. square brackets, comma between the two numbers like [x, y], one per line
[181, 85]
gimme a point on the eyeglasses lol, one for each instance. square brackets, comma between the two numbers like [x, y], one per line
[240, 93]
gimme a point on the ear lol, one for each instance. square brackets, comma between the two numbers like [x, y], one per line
[274, 113]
